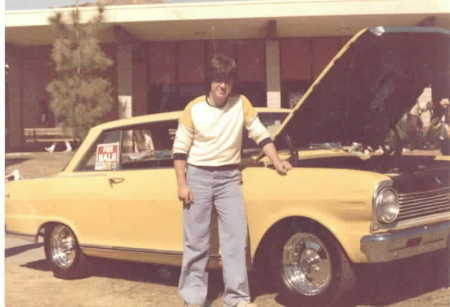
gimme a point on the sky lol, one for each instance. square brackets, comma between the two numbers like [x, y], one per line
[44, 4]
[39, 4]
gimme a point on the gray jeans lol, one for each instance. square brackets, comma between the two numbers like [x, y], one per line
[220, 188]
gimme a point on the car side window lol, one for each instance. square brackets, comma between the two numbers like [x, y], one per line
[108, 139]
[148, 146]
[133, 147]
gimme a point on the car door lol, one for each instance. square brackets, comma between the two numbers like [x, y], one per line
[146, 213]
[87, 196]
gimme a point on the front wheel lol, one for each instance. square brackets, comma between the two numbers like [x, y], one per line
[63, 252]
[310, 267]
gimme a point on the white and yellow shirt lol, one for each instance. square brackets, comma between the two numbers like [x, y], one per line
[211, 136]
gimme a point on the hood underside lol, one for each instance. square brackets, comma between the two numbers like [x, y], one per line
[368, 86]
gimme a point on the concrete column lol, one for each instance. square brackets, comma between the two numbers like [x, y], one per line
[13, 90]
[273, 77]
[131, 74]
[124, 61]
[140, 87]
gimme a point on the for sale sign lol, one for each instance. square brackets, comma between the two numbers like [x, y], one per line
[107, 157]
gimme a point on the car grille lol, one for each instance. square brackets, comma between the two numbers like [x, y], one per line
[418, 204]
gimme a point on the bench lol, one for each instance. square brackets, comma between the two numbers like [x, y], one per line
[47, 135]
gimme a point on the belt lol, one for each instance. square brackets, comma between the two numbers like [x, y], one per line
[217, 168]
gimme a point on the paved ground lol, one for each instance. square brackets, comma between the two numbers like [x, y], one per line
[36, 164]
[29, 282]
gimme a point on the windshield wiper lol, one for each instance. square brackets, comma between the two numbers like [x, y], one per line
[327, 145]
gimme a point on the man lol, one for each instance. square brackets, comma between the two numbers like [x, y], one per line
[207, 153]
[419, 119]
[48, 119]
[445, 126]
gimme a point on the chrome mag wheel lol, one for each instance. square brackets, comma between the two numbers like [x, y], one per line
[62, 247]
[306, 264]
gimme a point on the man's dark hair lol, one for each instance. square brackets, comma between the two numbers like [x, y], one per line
[221, 68]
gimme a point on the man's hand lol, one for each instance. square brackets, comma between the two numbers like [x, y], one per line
[185, 194]
[282, 166]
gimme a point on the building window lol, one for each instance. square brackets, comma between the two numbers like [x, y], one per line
[254, 91]
[292, 92]
[177, 71]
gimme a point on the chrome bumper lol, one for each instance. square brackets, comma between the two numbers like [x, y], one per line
[388, 246]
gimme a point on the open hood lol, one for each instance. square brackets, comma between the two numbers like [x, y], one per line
[371, 82]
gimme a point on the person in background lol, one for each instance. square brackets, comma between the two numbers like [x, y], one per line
[48, 119]
[444, 136]
[418, 120]
[207, 154]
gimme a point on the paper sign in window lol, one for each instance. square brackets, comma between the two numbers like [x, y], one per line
[107, 157]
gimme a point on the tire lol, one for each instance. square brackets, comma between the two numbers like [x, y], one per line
[63, 253]
[309, 267]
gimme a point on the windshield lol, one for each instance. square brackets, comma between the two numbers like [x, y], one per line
[272, 121]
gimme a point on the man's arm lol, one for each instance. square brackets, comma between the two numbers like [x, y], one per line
[181, 145]
[282, 166]
[184, 192]
[261, 136]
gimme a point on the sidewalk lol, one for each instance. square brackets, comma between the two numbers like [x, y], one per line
[36, 164]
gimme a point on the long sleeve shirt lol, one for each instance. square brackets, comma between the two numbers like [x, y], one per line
[212, 136]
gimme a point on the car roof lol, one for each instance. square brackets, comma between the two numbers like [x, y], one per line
[166, 116]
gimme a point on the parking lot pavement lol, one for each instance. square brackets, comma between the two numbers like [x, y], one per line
[29, 282]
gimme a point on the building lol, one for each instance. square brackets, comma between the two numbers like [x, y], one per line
[161, 49]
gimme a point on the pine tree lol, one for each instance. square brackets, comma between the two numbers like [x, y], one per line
[80, 95]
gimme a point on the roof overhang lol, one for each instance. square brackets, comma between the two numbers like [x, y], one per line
[235, 19]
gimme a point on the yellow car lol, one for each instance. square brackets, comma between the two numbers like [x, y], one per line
[348, 199]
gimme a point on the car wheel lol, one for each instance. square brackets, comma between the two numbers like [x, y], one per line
[310, 268]
[63, 252]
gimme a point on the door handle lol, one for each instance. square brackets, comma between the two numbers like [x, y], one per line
[116, 180]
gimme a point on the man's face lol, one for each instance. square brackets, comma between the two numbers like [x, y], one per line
[220, 90]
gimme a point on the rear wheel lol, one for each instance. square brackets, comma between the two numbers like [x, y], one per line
[310, 267]
[63, 252]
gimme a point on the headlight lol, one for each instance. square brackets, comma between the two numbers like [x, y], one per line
[387, 207]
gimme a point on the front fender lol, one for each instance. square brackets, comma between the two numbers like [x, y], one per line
[338, 199]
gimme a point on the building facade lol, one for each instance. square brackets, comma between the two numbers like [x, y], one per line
[160, 51]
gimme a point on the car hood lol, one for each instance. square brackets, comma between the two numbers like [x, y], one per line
[367, 87]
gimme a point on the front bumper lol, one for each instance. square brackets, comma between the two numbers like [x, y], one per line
[388, 246]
